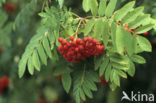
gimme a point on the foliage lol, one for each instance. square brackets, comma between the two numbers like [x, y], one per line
[5, 30]
[102, 21]
[114, 64]
[1, 2]
[25, 13]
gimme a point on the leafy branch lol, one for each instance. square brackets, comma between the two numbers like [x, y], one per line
[112, 29]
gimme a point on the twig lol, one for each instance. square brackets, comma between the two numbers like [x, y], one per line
[78, 27]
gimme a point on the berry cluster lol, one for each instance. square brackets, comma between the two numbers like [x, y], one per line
[75, 50]
[132, 30]
[4, 83]
[102, 81]
[9, 7]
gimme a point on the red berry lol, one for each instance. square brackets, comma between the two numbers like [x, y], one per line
[126, 25]
[102, 81]
[59, 48]
[1, 83]
[89, 38]
[78, 55]
[71, 38]
[90, 44]
[9, 7]
[76, 49]
[125, 29]
[85, 39]
[78, 41]
[102, 47]
[81, 47]
[95, 41]
[145, 33]
[4, 83]
[73, 43]
[65, 42]
[130, 30]
[134, 29]
[65, 47]
[118, 24]
[60, 39]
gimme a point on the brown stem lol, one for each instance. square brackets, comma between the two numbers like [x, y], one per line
[78, 27]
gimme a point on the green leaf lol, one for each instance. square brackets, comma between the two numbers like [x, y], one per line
[138, 21]
[116, 78]
[24, 16]
[84, 84]
[116, 58]
[93, 6]
[30, 66]
[1, 2]
[120, 38]
[111, 75]
[91, 85]
[89, 26]
[130, 43]
[77, 98]
[125, 41]
[121, 67]
[121, 73]
[42, 54]
[55, 55]
[98, 29]
[113, 86]
[47, 47]
[102, 7]
[132, 15]
[138, 59]
[97, 62]
[144, 44]
[110, 8]
[22, 67]
[61, 3]
[61, 69]
[51, 38]
[43, 14]
[82, 95]
[144, 29]
[113, 34]
[66, 81]
[87, 91]
[93, 76]
[108, 72]
[103, 66]
[105, 32]
[138, 49]
[35, 60]
[131, 71]
[3, 18]
[85, 5]
[124, 10]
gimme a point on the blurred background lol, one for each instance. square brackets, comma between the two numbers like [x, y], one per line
[18, 22]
